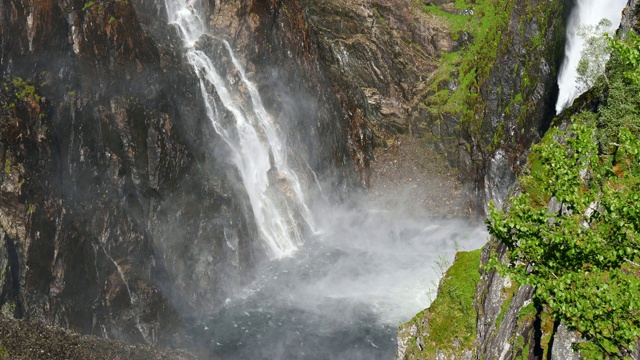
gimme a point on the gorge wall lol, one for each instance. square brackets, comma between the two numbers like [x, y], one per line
[119, 212]
[490, 316]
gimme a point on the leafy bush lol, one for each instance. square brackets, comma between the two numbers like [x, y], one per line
[574, 232]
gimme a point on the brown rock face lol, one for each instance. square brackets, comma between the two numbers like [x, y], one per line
[107, 149]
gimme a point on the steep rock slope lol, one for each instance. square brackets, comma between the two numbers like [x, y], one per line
[476, 81]
[508, 323]
[109, 133]
[119, 215]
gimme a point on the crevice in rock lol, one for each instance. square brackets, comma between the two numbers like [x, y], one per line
[556, 323]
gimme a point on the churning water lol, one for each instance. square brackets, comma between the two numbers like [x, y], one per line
[585, 12]
[259, 150]
[342, 292]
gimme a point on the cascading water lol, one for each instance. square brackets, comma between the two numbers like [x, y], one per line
[342, 294]
[259, 151]
[585, 12]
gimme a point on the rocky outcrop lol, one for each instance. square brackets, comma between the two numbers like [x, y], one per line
[379, 55]
[509, 322]
[519, 94]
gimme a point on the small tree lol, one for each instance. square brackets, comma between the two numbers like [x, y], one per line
[594, 55]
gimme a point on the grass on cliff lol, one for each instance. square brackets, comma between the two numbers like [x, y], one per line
[456, 315]
[450, 321]
[469, 66]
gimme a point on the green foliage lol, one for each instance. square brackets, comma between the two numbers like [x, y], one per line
[88, 5]
[627, 50]
[574, 232]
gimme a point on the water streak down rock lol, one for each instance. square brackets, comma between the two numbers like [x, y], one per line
[258, 149]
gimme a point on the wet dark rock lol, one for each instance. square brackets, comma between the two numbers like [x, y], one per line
[119, 215]
[106, 161]
[519, 95]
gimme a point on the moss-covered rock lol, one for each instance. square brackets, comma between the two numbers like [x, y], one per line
[447, 328]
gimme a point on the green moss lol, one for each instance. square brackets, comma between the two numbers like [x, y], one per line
[474, 62]
[88, 5]
[507, 294]
[7, 165]
[8, 308]
[24, 91]
[451, 318]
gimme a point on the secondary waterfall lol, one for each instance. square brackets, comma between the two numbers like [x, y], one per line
[585, 12]
[258, 148]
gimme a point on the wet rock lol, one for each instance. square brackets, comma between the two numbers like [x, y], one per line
[562, 344]
[109, 133]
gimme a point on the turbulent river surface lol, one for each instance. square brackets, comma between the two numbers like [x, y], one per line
[343, 294]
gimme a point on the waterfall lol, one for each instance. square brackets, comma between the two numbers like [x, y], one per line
[258, 149]
[585, 12]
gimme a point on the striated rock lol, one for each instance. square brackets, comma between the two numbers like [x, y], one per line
[520, 92]
[384, 47]
[562, 344]
[119, 215]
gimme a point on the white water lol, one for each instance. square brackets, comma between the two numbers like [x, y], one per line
[585, 12]
[343, 294]
[259, 150]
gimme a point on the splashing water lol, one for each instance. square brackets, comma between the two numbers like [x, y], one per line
[341, 295]
[259, 151]
[585, 12]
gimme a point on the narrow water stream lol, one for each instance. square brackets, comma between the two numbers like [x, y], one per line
[585, 12]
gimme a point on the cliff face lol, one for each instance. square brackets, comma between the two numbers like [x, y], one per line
[104, 158]
[519, 94]
[509, 324]
[119, 214]
[479, 99]
[504, 325]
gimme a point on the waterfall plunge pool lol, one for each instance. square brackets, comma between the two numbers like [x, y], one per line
[343, 294]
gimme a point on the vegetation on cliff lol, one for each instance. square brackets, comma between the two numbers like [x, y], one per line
[456, 82]
[448, 325]
[574, 232]
[491, 97]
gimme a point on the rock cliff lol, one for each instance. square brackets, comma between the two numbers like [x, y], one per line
[119, 214]
[509, 323]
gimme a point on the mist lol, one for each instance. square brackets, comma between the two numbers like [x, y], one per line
[345, 291]
[340, 277]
